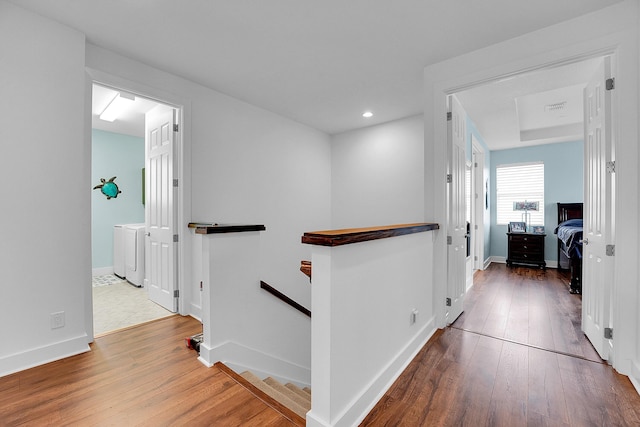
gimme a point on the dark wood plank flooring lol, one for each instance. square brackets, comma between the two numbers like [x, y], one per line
[521, 375]
[140, 376]
[528, 306]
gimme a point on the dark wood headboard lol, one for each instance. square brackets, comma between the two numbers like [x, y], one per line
[567, 211]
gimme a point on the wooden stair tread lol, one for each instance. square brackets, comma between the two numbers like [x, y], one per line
[275, 394]
[305, 267]
[294, 417]
[300, 392]
[278, 386]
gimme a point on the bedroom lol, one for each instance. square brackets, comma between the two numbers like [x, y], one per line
[501, 117]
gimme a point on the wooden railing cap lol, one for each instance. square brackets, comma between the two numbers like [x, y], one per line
[347, 236]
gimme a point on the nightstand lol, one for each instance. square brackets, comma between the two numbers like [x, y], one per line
[526, 248]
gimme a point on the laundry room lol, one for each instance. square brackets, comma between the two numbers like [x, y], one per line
[120, 299]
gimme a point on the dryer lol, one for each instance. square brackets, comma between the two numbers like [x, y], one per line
[134, 253]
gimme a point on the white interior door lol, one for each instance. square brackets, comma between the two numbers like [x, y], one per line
[160, 251]
[596, 264]
[456, 222]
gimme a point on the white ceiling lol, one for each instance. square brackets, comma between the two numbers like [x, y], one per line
[511, 113]
[321, 63]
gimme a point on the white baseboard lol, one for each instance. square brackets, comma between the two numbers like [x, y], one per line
[634, 377]
[241, 358]
[102, 271]
[195, 311]
[503, 260]
[487, 263]
[358, 409]
[39, 356]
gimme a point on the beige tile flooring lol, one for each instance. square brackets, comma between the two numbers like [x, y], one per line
[117, 304]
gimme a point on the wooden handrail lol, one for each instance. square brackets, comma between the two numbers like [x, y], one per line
[273, 291]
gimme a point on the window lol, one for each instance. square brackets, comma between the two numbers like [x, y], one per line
[519, 183]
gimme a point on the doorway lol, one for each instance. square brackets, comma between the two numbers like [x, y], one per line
[120, 236]
[563, 129]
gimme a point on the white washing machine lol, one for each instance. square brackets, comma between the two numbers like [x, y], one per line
[134, 253]
[118, 250]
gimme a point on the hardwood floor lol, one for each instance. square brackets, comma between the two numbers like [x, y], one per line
[141, 376]
[146, 376]
[469, 378]
[528, 306]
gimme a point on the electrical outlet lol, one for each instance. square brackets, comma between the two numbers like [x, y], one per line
[57, 320]
[414, 316]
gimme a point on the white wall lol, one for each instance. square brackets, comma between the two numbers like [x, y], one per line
[246, 165]
[378, 175]
[45, 253]
[611, 30]
[363, 337]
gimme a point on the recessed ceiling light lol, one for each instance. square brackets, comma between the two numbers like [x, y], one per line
[367, 114]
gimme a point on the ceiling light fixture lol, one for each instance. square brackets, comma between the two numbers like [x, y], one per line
[367, 114]
[117, 105]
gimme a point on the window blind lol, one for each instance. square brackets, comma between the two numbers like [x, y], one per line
[519, 183]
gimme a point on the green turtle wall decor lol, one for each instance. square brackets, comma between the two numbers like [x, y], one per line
[108, 188]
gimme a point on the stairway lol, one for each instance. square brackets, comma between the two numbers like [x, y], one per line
[289, 395]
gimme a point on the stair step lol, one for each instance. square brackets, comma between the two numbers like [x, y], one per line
[277, 395]
[300, 392]
[277, 385]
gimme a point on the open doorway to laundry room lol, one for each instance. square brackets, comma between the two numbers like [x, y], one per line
[118, 206]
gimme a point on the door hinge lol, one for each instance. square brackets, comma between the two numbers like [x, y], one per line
[611, 166]
[475, 258]
[176, 127]
[175, 238]
[176, 293]
[449, 240]
[610, 84]
[475, 227]
[608, 333]
[449, 116]
[475, 164]
[449, 178]
[448, 302]
[610, 250]
[175, 182]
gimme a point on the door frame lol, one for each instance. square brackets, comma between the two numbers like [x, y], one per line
[182, 202]
[535, 51]
[477, 202]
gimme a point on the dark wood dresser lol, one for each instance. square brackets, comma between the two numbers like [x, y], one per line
[526, 248]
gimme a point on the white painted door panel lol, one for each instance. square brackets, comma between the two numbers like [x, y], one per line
[456, 222]
[597, 266]
[161, 266]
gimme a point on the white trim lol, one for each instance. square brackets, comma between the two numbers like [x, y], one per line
[477, 156]
[634, 376]
[242, 358]
[45, 354]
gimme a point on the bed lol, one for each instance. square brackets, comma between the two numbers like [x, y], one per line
[569, 232]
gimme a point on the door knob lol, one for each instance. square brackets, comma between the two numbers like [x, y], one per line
[585, 241]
